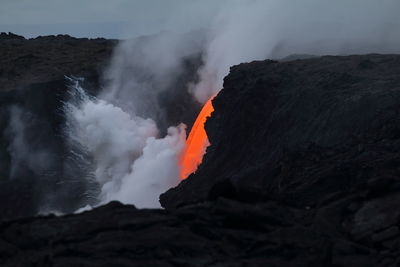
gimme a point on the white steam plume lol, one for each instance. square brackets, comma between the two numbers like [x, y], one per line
[143, 67]
[134, 165]
[155, 171]
[131, 164]
[259, 29]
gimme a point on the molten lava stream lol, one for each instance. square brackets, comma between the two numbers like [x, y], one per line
[196, 143]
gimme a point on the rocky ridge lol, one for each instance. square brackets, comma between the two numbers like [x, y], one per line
[24, 62]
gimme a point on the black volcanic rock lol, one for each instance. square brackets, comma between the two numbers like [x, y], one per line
[301, 133]
[303, 170]
[222, 233]
[10, 36]
[45, 59]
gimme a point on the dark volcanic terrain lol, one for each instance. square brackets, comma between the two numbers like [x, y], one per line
[303, 170]
[49, 58]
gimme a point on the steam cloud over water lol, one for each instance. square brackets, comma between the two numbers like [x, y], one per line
[131, 164]
[120, 130]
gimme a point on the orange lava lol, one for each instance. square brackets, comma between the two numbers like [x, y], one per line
[196, 143]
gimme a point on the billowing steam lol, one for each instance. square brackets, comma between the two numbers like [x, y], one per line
[120, 129]
[245, 31]
[143, 68]
[131, 164]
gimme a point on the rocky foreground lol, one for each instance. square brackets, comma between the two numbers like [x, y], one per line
[303, 170]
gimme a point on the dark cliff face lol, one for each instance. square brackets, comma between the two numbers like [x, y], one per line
[33, 151]
[300, 132]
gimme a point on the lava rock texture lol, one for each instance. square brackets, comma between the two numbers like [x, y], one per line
[300, 131]
[49, 58]
[303, 170]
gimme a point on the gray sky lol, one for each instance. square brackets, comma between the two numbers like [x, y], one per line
[104, 18]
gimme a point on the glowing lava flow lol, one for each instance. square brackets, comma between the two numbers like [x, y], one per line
[196, 143]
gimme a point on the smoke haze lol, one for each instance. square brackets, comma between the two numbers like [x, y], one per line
[133, 162]
[24, 153]
[130, 164]
[244, 31]
[122, 128]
